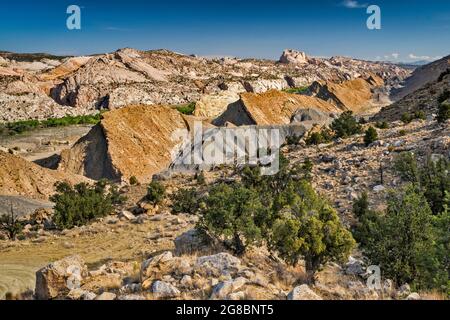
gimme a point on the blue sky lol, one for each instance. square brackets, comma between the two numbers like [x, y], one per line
[411, 29]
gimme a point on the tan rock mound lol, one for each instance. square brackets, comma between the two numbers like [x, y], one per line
[20, 177]
[355, 95]
[132, 141]
[211, 106]
[64, 69]
[269, 108]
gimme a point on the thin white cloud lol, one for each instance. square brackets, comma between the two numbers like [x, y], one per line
[412, 56]
[353, 4]
[112, 28]
[389, 57]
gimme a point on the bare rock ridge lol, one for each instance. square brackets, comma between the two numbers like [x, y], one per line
[24, 178]
[354, 95]
[426, 99]
[141, 131]
[51, 87]
[422, 76]
[269, 108]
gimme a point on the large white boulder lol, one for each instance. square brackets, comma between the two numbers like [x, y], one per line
[164, 290]
[303, 292]
[58, 278]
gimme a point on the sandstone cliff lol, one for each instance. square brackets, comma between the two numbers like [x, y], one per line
[21, 177]
[270, 108]
[355, 95]
[132, 141]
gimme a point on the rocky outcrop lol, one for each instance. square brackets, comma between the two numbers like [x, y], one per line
[58, 278]
[211, 106]
[311, 115]
[270, 108]
[64, 69]
[293, 57]
[89, 85]
[145, 132]
[263, 85]
[20, 177]
[354, 95]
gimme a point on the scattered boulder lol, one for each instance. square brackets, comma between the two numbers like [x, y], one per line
[149, 265]
[58, 278]
[222, 263]
[404, 290]
[413, 296]
[303, 292]
[355, 267]
[106, 296]
[164, 290]
[379, 188]
[223, 289]
[189, 242]
[131, 297]
[80, 294]
[127, 215]
[312, 115]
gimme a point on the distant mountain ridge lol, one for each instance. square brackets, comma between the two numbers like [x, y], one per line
[420, 77]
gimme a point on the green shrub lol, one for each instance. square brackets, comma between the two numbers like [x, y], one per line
[317, 138]
[133, 181]
[155, 192]
[300, 90]
[282, 209]
[432, 177]
[443, 112]
[406, 118]
[187, 109]
[441, 223]
[293, 140]
[420, 115]
[366, 229]
[231, 214]
[10, 224]
[310, 229]
[443, 75]
[200, 177]
[346, 125]
[185, 201]
[370, 136]
[382, 125]
[305, 171]
[19, 127]
[402, 133]
[402, 241]
[444, 96]
[405, 165]
[314, 138]
[78, 205]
